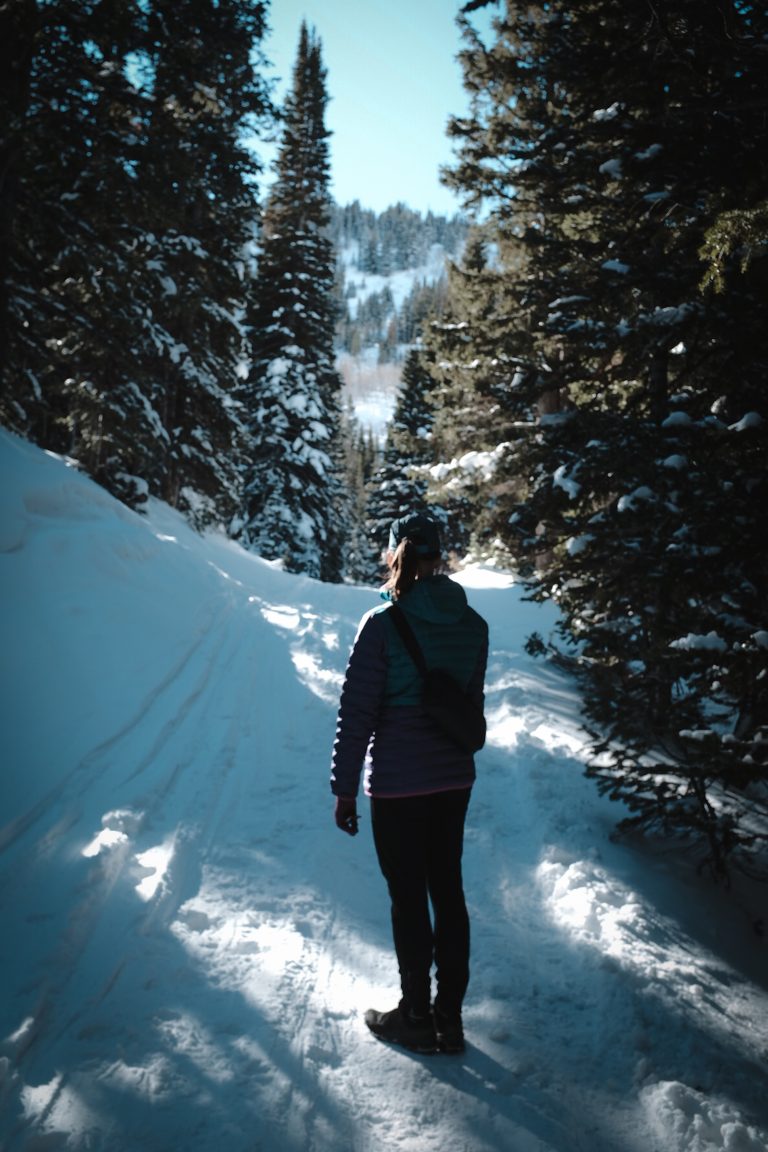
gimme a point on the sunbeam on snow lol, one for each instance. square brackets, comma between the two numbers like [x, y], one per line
[596, 909]
[154, 862]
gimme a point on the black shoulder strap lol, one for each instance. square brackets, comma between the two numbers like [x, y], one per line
[410, 641]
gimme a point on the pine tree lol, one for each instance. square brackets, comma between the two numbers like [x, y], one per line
[400, 483]
[362, 456]
[640, 471]
[292, 500]
[201, 214]
[17, 35]
[66, 384]
[135, 204]
[477, 358]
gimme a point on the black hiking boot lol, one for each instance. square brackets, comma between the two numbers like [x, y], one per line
[449, 1031]
[399, 1026]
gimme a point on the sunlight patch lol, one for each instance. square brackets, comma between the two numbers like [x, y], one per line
[682, 1119]
[478, 576]
[505, 728]
[154, 862]
[282, 616]
[273, 960]
[279, 945]
[56, 1107]
[116, 828]
[324, 682]
[107, 838]
[556, 739]
[600, 911]
[515, 720]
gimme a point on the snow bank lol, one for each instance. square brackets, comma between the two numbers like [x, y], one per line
[684, 1120]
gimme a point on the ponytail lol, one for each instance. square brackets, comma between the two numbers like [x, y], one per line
[403, 569]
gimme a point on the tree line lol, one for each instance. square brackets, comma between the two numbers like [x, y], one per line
[375, 320]
[153, 303]
[381, 244]
[396, 239]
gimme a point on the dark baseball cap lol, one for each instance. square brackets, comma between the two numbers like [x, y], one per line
[421, 530]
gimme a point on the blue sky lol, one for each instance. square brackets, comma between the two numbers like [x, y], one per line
[393, 82]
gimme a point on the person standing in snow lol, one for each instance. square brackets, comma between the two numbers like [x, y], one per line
[418, 780]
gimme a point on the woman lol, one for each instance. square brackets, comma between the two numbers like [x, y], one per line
[418, 779]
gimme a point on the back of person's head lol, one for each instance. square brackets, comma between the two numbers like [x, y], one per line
[414, 551]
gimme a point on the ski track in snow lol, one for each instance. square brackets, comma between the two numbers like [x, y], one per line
[189, 944]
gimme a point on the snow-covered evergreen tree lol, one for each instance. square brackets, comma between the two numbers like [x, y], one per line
[17, 37]
[476, 356]
[291, 498]
[400, 484]
[135, 202]
[196, 178]
[609, 141]
[361, 459]
[69, 379]
[292, 502]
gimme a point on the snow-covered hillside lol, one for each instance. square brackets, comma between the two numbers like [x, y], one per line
[369, 386]
[189, 944]
[400, 283]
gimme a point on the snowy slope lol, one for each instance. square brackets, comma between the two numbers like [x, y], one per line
[400, 283]
[369, 386]
[188, 943]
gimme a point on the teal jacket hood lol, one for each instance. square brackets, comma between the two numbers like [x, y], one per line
[436, 600]
[450, 634]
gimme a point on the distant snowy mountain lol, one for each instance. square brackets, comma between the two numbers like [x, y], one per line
[390, 269]
[361, 285]
[189, 944]
[371, 383]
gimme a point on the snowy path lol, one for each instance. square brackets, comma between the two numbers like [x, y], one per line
[189, 944]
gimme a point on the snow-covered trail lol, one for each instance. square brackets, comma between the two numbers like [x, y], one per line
[189, 944]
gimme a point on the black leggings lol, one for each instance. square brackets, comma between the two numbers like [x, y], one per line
[419, 841]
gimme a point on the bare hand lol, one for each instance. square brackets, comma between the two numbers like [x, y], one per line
[346, 815]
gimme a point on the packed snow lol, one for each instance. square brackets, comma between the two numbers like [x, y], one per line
[189, 943]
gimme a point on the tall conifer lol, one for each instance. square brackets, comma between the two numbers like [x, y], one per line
[65, 381]
[605, 139]
[400, 483]
[292, 495]
[201, 215]
[135, 204]
[18, 25]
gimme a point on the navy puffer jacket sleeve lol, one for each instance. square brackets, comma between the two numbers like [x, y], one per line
[360, 706]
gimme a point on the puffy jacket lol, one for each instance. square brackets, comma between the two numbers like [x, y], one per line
[381, 726]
